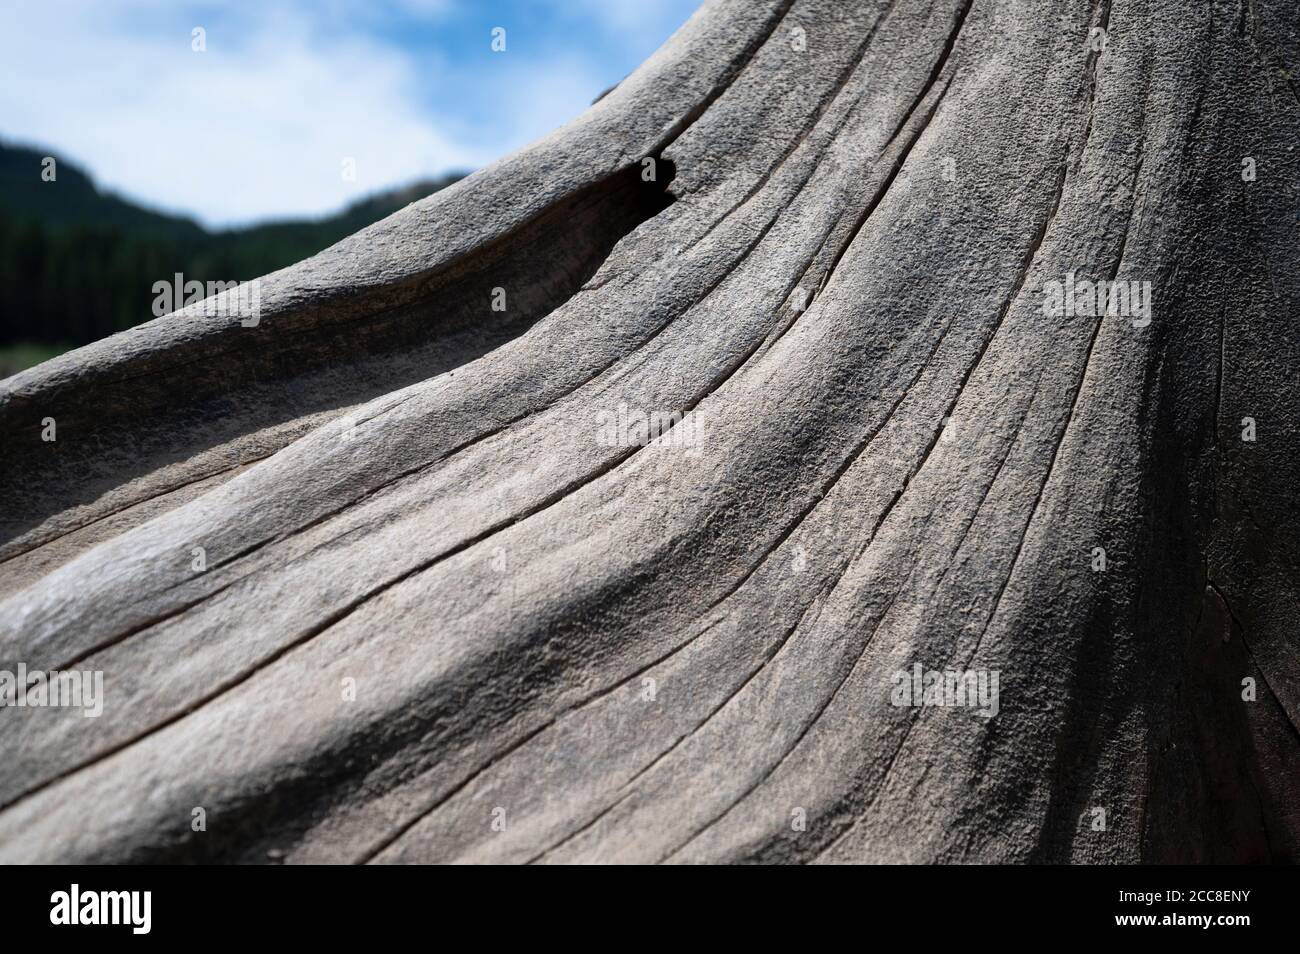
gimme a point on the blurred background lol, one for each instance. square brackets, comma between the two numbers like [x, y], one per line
[141, 138]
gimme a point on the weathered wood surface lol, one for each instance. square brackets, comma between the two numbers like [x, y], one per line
[394, 484]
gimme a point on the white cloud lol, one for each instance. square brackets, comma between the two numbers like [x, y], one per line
[631, 18]
[258, 126]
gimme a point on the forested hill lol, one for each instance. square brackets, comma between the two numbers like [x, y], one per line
[77, 264]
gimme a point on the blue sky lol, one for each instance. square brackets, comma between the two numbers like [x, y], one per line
[259, 125]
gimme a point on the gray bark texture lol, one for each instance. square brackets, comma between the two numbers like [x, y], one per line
[440, 614]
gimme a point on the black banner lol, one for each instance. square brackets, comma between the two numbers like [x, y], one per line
[140, 905]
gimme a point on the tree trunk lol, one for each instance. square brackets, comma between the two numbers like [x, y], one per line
[612, 504]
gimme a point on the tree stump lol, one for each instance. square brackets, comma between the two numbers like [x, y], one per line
[868, 433]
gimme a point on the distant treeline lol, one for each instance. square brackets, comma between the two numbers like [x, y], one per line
[77, 265]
